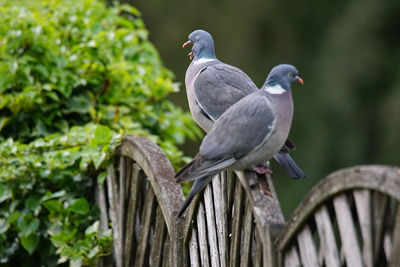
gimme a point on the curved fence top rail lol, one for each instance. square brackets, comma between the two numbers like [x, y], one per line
[160, 173]
[381, 178]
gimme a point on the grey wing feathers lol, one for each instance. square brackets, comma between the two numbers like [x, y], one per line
[219, 86]
[200, 167]
[247, 123]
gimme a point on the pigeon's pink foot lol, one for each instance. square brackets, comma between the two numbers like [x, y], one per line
[261, 169]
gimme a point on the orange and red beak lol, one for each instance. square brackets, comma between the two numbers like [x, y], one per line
[299, 80]
[191, 52]
[187, 43]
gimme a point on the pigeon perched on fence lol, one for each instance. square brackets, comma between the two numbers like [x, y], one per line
[213, 86]
[247, 134]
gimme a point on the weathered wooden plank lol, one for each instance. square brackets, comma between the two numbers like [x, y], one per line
[134, 194]
[395, 253]
[121, 204]
[113, 210]
[231, 180]
[269, 250]
[291, 258]
[267, 213]
[247, 228]
[121, 193]
[266, 208]
[221, 218]
[379, 209]
[257, 259]
[211, 225]
[147, 216]
[194, 249]
[190, 216]
[238, 204]
[328, 251]
[128, 173]
[362, 199]
[381, 178]
[202, 234]
[167, 261]
[328, 246]
[308, 253]
[350, 246]
[387, 245]
[157, 167]
[160, 230]
[102, 202]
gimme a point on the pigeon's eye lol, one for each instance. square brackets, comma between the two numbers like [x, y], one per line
[290, 74]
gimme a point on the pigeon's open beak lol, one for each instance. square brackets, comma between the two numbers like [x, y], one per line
[191, 52]
[299, 80]
[190, 55]
[187, 43]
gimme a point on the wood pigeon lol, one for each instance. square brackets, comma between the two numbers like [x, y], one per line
[213, 86]
[247, 134]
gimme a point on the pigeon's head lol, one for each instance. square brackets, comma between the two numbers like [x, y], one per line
[283, 75]
[203, 45]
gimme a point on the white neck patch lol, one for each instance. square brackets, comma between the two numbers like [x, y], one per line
[203, 60]
[275, 90]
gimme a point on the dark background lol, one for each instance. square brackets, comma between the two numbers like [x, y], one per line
[347, 52]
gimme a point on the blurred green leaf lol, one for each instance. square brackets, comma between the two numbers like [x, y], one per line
[5, 193]
[53, 206]
[30, 242]
[28, 224]
[80, 206]
[101, 178]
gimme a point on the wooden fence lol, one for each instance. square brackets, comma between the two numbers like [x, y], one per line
[351, 218]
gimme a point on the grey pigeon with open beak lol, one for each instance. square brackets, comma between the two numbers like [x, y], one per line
[213, 86]
[247, 134]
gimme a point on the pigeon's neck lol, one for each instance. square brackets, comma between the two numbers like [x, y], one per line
[274, 89]
[203, 60]
[205, 53]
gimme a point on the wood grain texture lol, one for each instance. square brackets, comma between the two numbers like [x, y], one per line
[160, 231]
[160, 173]
[291, 258]
[113, 211]
[379, 210]
[350, 246]
[211, 226]
[194, 249]
[202, 233]
[308, 252]
[247, 229]
[395, 254]
[238, 205]
[145, 228]
[362, 199]
[221, 216]
[328, 246]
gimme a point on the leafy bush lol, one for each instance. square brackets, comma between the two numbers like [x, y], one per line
[75, 77]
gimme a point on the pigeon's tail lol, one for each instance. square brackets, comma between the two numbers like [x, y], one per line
[200, 167]
[289, 165]
[198, 185]
[188, 168]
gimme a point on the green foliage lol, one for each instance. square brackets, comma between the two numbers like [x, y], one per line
[76, 76]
